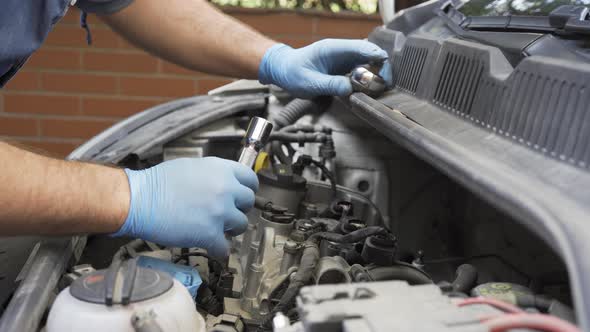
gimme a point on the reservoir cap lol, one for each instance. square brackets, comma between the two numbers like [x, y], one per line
[122, 283]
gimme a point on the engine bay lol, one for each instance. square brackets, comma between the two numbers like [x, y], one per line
[456, 201]
[342, 216]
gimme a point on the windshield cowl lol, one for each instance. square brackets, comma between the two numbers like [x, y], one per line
[516, 7]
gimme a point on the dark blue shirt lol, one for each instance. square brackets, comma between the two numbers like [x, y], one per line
[24, 25]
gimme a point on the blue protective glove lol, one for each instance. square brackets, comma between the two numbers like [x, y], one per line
[190, 203]
[317, 69]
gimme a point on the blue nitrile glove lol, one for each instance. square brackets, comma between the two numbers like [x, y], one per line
[317, 69]
[190, 202]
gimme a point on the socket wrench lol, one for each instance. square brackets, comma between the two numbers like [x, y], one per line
[367, 80]
[256, 137]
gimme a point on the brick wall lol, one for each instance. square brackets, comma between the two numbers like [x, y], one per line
[69, 91]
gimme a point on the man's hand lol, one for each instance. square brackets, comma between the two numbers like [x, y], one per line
[190, 203]
[207, 40]
[317, 69]
[183, 202]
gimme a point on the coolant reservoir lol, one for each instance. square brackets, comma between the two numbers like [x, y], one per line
[125, 298]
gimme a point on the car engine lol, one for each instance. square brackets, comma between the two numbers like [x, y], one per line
[318, 253]
[456, 201]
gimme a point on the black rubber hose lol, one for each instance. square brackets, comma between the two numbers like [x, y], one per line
[125, 250]
[465, 278]
[351, 237]
[207, 301]
[327, 174]
[262, 203]
[309, 261]
[279, 138]
[210, 259]
[307, 266]
[297, 108]
[293, 111]
[400, 271]
[308, 128]
[265, 204]
[300, 137]
[277, 150]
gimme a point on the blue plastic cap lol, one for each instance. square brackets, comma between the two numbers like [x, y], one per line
[188, 276]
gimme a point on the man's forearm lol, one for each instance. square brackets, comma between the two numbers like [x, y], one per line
[193, 34]
[41, 195]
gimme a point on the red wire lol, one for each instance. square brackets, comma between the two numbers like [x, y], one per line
[517, 318]
[500, 305]
[529, 321]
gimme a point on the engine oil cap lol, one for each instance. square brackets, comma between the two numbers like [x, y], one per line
[122, 283]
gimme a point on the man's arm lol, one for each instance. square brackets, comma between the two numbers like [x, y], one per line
[188, 202]
[193, 34]
[41, 195]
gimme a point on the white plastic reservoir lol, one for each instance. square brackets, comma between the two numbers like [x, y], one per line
[153, 300]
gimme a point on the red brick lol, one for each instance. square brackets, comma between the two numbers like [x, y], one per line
[54, 59]
[72, 55]
[18, 103]
[120, 62]
[71, 17]
[71, 83]
[75, 36]
[124, 43]
[295, 42]
[24, 80]
[205, 85]
[94, 20]
[105, 38]
[279, 23]
[151, 86]
[116, 107]
[170, 68]
[345, 28]
[18, 126]
[54, 149]
[66, 35]
[73, 128]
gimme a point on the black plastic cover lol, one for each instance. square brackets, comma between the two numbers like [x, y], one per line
[507, 8]
[282, 177]
[137, 284]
